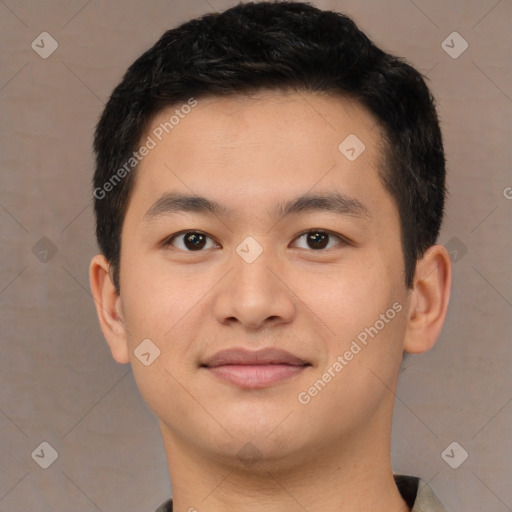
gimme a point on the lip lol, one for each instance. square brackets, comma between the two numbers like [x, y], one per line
[264, 356]
[254, 369]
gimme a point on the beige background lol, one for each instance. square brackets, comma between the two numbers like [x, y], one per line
[58, 381]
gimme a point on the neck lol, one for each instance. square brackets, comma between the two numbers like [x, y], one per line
[356, 476]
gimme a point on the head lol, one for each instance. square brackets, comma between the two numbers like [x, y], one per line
[248, 112]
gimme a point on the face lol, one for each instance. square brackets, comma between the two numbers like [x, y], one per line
[296, 246]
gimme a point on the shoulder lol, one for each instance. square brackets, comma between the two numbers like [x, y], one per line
[418, 494]
[165, 507]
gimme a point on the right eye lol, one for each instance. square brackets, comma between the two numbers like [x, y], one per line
[190, 241]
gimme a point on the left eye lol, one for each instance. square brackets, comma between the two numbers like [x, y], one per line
[317, 239]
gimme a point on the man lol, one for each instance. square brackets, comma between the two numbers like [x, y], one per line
[269, 191]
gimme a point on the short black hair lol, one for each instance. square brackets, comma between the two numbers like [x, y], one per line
[259, 46]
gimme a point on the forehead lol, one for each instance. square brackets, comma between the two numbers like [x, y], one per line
[238, 119]
[269, 145]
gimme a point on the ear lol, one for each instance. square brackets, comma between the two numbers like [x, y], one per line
[108, 308]
[429, 300]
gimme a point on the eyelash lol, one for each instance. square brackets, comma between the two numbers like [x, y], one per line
[343, 240]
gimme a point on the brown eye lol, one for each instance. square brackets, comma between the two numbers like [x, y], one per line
[317, 240]
[190, 241]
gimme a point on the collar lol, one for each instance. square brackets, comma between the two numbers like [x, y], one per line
[415, 491]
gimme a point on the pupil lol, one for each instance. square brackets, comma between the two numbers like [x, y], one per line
[318, 240]
[196, 240]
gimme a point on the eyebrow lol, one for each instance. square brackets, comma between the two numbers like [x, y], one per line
[335, 202]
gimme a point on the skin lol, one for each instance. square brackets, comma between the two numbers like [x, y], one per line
[250, 154]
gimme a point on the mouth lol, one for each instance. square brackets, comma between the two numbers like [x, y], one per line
[254, 369]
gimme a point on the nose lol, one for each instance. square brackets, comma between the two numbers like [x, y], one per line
[255, 294]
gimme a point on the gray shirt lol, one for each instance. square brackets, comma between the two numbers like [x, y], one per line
[415, 491]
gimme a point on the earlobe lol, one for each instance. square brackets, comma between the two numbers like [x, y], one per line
[429, 303]
[108, 308]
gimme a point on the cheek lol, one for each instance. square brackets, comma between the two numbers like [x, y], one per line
[363, 356]
[349, 294]
[358, 310]
[164, 310]
[155, 296]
